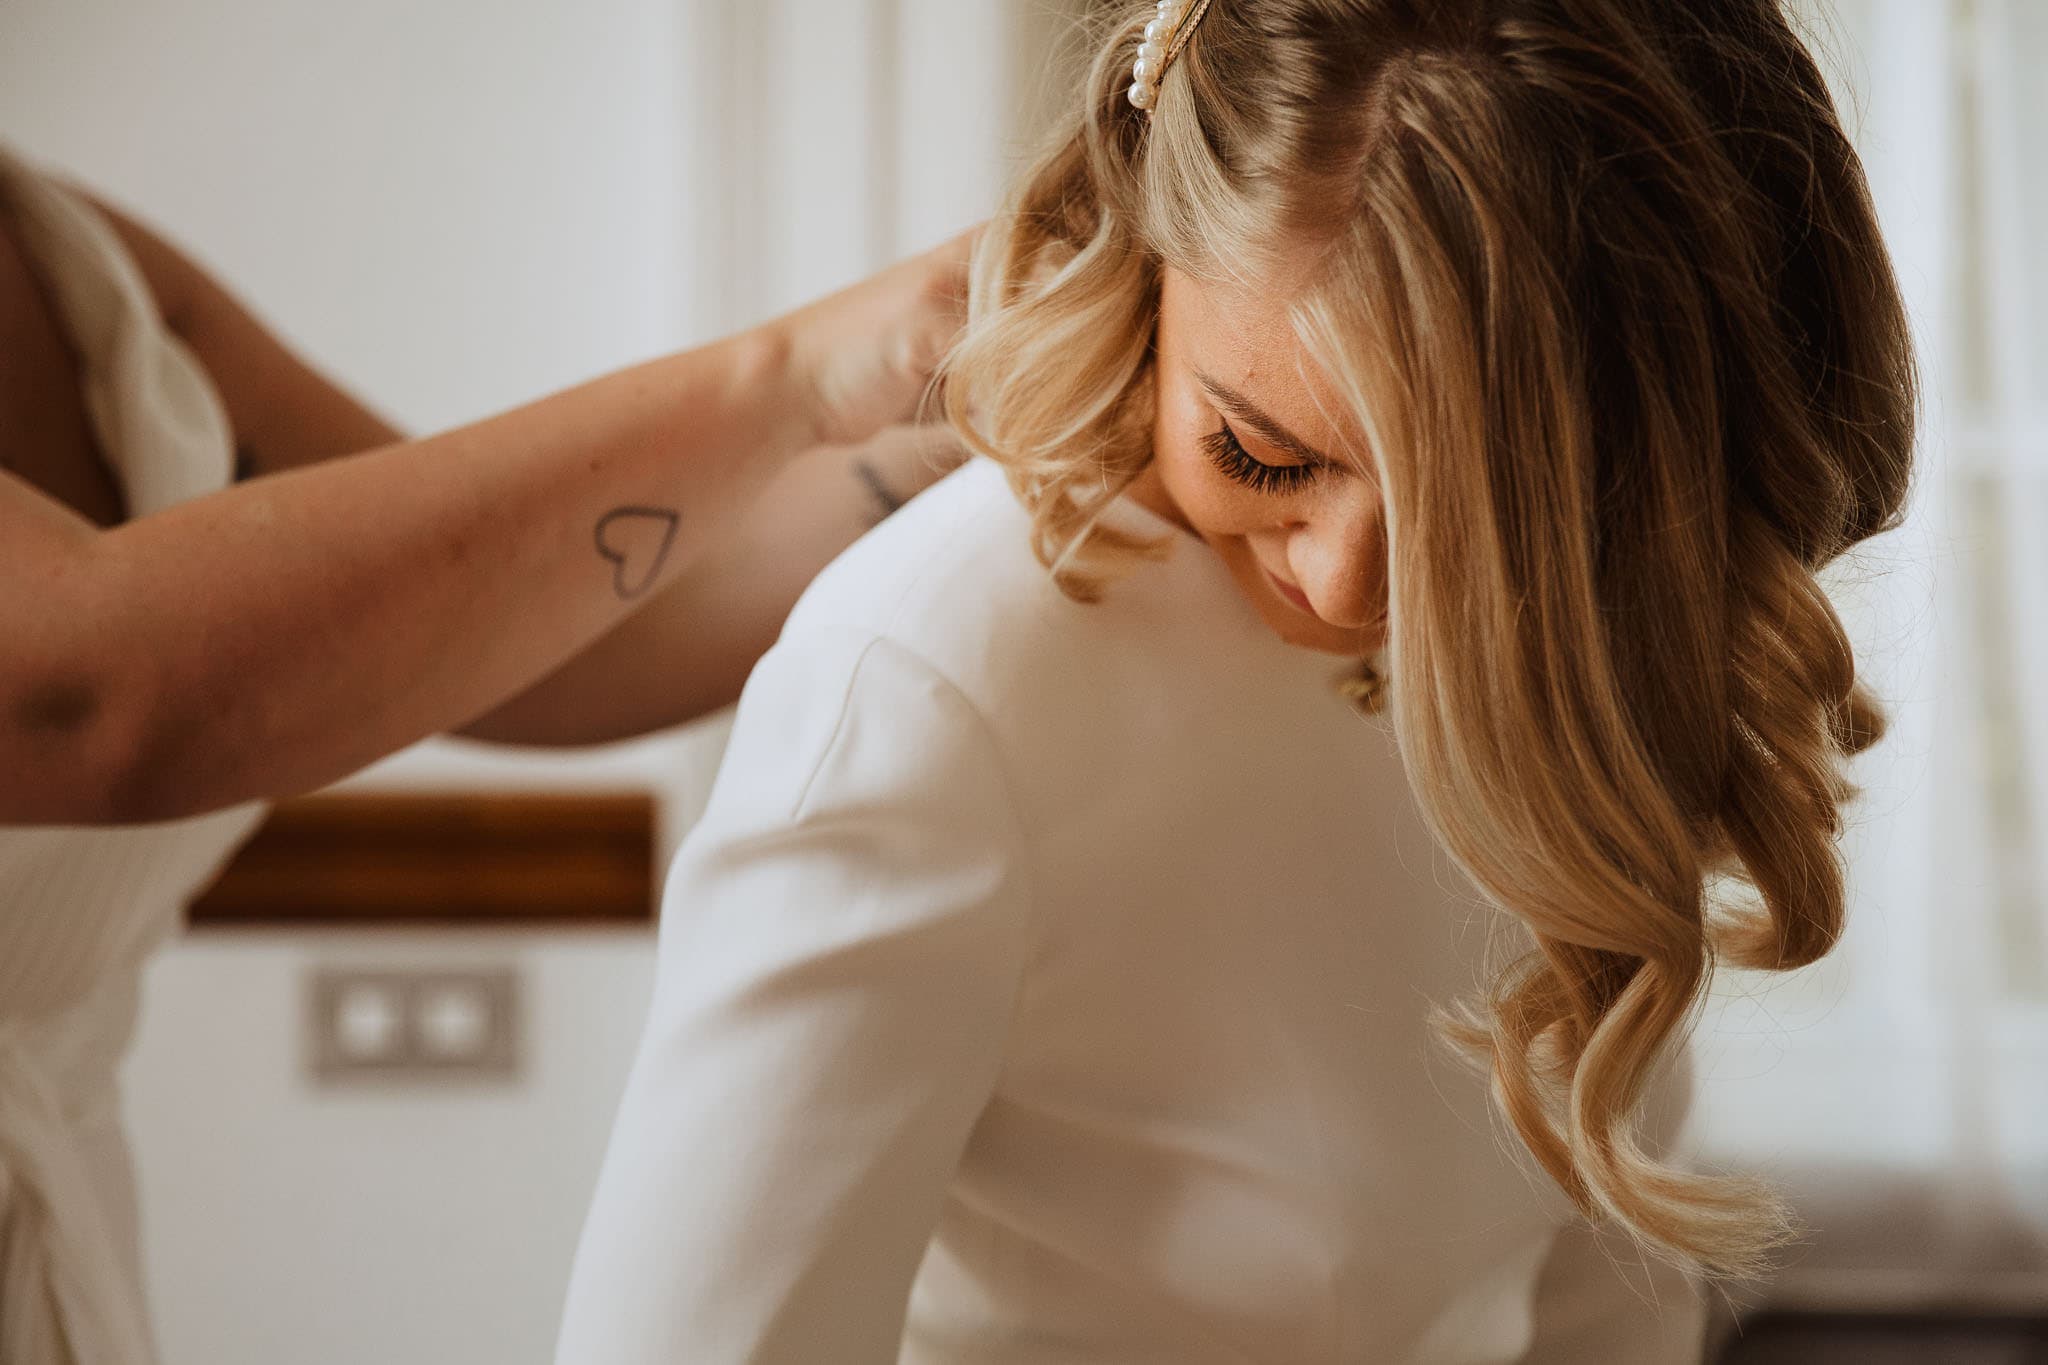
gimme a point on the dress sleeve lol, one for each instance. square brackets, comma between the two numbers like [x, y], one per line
[843, 939]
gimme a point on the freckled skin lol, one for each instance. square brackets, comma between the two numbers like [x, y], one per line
[1325, 538]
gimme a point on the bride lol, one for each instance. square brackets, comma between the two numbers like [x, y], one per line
[1062, 969]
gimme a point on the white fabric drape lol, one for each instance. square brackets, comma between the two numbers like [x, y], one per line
[1900, 1092]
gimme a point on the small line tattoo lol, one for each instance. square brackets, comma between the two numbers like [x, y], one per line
[636, 542]
[885, 499]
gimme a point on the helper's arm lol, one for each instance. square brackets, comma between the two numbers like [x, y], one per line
[275, 636]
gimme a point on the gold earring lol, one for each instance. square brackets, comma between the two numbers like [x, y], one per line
[1365, 687]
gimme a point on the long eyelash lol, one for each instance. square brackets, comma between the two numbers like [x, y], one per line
[1229, 456]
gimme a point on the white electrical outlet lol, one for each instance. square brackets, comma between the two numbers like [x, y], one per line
[410, 1024]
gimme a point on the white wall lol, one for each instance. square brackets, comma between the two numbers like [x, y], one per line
[422, 1225]
[454, 206]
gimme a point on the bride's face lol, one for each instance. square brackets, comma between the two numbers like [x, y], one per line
[1250, 455]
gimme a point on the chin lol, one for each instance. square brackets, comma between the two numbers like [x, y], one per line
[1314, 633]
[1301, 632]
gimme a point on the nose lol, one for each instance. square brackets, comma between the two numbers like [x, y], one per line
[1337, 554]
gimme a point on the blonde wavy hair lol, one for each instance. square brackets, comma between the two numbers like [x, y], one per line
[1602, 283]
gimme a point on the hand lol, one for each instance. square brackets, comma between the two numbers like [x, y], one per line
[865, 356]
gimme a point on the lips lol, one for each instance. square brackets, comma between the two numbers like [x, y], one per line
[1293, 594]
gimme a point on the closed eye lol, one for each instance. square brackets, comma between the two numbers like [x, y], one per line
[1231, 459]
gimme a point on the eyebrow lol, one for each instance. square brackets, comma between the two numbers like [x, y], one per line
[1270, 431]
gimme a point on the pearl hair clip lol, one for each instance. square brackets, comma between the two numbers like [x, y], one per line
[1165, 37]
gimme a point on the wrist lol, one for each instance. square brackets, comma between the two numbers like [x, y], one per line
[776, 368]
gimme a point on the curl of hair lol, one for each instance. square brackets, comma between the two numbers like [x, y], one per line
[1603, 285]
[1051, 377]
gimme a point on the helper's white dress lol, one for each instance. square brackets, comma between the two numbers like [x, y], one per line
[81, 909]
[1051, 983]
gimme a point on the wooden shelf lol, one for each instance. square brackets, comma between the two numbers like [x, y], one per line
[449, 859]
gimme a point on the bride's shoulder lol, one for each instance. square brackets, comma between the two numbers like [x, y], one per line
[952, 577]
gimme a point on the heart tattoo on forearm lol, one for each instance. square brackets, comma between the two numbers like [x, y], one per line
[636, 541]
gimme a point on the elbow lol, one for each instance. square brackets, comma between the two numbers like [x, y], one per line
[94, 720]
[92, 753]
[66, 759]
